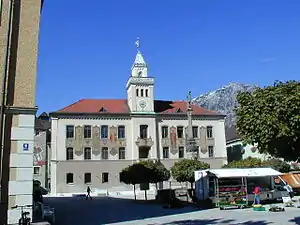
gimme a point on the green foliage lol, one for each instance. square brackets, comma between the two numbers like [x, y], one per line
[279, 165]
[183, 170]
[158, 173]
[270, 118]
[144, 172]
[246, 163]
[135, 174]
[250, 162]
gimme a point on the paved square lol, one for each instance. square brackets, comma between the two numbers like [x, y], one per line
[106, 210]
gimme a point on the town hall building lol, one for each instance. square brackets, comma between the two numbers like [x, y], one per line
[94, 139]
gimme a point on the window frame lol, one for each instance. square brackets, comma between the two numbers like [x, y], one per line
[104, 149]
[209, 132]
[89, 131]
[211, 155]
[105, 177]
[181, 128]
[181, 149]
[143, 131]
[123, 151]
[164, 132]
[68, 153]
[69, 174]
[39, 170]
[195, 131]
[73, 131]
[119, 132]
[87, 151]
[102, 136]
[166, 150]
[87, 175]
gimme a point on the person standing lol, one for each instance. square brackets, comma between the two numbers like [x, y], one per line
[256, 193]
[88, 196]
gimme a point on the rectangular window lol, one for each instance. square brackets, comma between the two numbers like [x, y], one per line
[164, 132]
[36, 170]
[87, 153]
[180, 132]
[142, 92]
[211, 153]
[104, 177]
[165, 152]
[209, 132]
[122, 153]
[143, 131]
[87, 131]
[146, 92]
[69, 131]
[121, 131]
[195, 132]
[181, 152]
[70, 154]
[69, 178]
[104, 132]
[104, 153]
[87, 178]
[137, 92]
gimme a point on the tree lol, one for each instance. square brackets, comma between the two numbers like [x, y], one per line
[250, 162]
[279, 165]
[135, 174]
[269, 118]
[246, 163]
[183, 170]
[159, 172]
[144, 172]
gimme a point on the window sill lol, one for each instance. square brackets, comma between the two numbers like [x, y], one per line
[70, 184]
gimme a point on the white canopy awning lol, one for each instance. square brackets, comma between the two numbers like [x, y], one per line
[244, 172]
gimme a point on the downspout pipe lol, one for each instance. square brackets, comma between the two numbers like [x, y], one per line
[4, 84]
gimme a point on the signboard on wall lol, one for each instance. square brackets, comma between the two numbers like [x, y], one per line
[25, 147]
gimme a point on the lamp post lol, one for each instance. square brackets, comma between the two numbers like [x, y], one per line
[191, 145]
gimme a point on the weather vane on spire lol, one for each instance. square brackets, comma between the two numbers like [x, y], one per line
[137, 43]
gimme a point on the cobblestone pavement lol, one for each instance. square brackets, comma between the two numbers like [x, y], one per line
[105, 210]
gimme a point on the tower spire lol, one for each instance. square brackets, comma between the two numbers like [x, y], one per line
[139, 67]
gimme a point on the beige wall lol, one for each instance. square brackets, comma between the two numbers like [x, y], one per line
[20, 96]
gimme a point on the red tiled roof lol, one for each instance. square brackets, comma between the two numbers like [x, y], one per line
[94, 106]
[119, 106]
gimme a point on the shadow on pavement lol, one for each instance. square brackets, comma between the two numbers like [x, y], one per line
[105, 210]
[296, 220]
[213, 221]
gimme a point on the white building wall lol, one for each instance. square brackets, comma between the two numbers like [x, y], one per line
[218, 134]
[21, 166]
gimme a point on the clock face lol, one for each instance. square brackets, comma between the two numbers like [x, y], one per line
[142, 104]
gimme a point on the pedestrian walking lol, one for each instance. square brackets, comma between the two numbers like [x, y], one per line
[88, 196]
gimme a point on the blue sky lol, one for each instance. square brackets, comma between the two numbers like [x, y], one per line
[87, 47]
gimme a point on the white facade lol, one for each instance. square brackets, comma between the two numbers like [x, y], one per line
[21, 166]
[142, 110]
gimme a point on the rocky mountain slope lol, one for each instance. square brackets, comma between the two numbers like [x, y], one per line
[223, 100]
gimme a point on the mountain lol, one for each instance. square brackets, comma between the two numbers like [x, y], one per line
[223, 100]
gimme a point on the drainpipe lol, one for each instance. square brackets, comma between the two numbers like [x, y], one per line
[4, 84]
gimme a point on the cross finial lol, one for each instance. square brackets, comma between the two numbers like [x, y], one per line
[137, 43]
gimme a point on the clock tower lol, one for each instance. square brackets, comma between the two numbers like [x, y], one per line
[139, 86]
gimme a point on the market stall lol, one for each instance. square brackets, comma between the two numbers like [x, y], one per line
[234, 187]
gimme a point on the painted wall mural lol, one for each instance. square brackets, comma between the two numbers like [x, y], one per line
[173, 137]
[39, 151]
